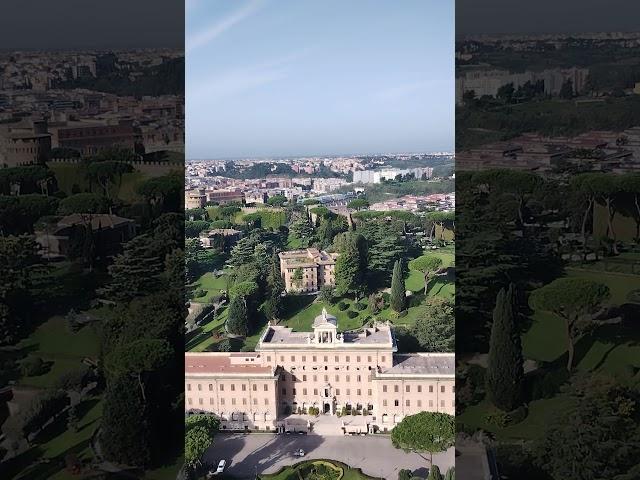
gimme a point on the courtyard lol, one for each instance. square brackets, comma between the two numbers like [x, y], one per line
[262, 453]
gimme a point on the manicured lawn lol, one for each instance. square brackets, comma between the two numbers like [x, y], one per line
[200, 341]
[291, 473]
[619, 284]
[541, 413]
[56, 441]
[55, 343]
[302, 319]
[211, 284]
[610, 349]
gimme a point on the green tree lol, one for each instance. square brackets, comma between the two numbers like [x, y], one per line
[193, 228]
[595, 435]
[435, 327]
[108, 174]
[302, 231]
[358, 204]
[136, 271]
[504, 377]
[434, 473]
[277, 200]
[575, 301]
[124, 433]
[398, 290]
[237, 318]
[351, 266]
[425, 432]
[428, 265]
[200, 431]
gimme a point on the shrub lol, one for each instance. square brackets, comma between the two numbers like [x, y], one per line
[517, 415]
[326, 294]
[360, 306]
[352, 314]
[342, 305]
[405, 474]
[32, 366]
[497, 418]
[199, 293]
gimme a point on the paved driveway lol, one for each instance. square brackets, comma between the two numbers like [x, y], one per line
[267, 453]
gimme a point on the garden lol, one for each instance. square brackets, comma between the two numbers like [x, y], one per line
[318, 470]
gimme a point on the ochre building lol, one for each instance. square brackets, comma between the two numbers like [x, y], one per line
[292, 371]
[306, 271]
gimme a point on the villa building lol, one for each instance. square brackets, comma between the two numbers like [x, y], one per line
[332, 371]
[307, 270]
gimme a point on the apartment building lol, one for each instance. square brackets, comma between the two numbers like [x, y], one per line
[330, 370]
[307, 270]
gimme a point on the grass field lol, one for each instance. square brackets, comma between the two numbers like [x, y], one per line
[211, 284]
[611, 349]
[61, 348]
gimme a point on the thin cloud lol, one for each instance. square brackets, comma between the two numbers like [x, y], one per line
[398, 92]
[222, 25]
[219, 85]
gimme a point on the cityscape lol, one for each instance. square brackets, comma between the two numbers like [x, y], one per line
[283, 240]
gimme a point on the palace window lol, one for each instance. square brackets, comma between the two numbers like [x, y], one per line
[396, 403]
[396, 388]
[210, 387]
[407, 388]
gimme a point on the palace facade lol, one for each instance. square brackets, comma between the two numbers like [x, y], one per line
[331, 371]
[307, 270]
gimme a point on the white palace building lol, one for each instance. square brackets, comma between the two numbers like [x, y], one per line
[292, 371]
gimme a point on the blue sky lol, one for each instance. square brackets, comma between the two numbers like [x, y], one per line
[303, 77]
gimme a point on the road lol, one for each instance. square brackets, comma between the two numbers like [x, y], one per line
[374, 454]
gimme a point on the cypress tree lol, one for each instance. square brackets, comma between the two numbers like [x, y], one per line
[505, 371]
[398, 289]
[237, 320]
[451, 474]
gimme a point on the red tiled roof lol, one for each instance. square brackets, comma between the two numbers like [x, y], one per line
[205, 363]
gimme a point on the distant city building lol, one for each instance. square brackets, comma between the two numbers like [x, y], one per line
[24, 144]
[377, 176]
[307, 270]
[326, 369]
[255, 197]
[195, 198]
[225, 196]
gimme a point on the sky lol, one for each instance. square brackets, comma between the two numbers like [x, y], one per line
[305, 77]
[546, 16]
[77, 24]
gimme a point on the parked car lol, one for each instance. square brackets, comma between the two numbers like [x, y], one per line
[299, 453]
[221, 465]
